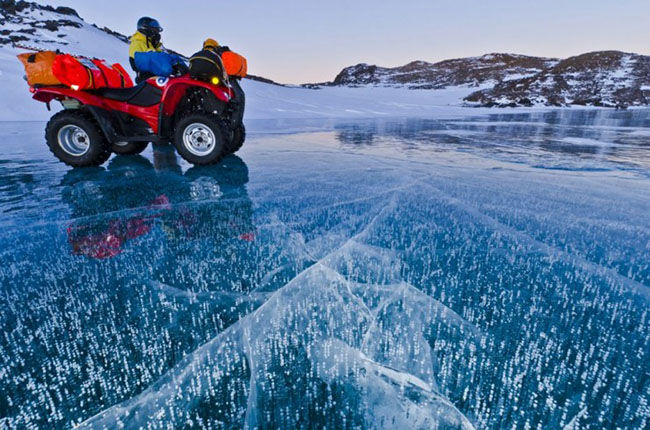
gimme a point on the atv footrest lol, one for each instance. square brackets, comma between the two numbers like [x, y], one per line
[152, 138]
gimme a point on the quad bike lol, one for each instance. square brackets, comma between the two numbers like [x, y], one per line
[204, 120]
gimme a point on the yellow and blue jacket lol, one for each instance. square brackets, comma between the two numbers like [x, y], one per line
[140, 43]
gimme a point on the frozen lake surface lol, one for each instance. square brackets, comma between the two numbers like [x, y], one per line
[476, 272]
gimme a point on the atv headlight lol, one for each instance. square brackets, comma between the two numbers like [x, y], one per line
[215, 80]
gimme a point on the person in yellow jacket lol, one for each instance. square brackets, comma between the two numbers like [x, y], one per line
[146, 39]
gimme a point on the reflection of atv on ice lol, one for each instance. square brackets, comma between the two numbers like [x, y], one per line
[203, 119]
[204, 203]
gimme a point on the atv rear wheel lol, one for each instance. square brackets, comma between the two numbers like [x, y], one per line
[128, 148]
[74, 138]
[238, 138]
[201, 138]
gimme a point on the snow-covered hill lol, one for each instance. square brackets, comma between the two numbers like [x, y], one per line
[48, 28]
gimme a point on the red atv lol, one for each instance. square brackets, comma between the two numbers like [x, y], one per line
[204, 120]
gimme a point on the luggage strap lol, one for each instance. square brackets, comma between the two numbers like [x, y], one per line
[206, 59]
[91, 80]
[103, 75]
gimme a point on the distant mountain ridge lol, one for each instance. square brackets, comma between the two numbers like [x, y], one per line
[604, 78]
[474, 71]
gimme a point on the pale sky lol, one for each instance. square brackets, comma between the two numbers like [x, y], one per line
[299, 41]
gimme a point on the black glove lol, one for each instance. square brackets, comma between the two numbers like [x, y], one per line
[180, 69]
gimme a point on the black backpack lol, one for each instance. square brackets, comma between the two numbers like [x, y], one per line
[205, 65]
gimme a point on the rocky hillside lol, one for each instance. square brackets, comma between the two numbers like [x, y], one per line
[608, 78]
[22, 21]
[46, 27]
[476, 71]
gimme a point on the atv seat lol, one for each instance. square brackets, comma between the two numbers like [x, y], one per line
[142, 94]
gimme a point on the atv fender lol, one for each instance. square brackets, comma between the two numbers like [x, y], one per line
[103, 119]
[101, 116]
[175, 91]
[174, 96]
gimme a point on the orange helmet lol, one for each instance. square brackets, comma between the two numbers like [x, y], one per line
[210, 43]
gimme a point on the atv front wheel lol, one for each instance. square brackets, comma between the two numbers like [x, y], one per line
[238, 138]
[74, 138]
[200, 138]
[128, 148]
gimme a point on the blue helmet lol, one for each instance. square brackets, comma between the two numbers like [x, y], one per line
[149, 26]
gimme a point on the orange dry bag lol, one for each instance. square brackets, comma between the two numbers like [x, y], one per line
[38, 68]
[235, 64]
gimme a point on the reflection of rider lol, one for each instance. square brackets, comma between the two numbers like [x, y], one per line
[109, 211]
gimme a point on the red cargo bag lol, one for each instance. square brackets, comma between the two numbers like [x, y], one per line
[80, 73]
[115, 75]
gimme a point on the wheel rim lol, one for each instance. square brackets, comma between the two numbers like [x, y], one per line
[73, 140]
[199, 139]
